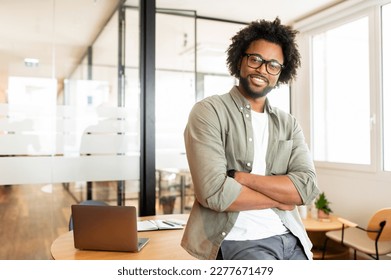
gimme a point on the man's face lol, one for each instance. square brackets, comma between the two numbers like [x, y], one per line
[256, 83]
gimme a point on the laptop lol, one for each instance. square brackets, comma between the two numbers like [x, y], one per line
[107, 228]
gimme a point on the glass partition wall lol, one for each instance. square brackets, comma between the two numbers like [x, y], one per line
[70, 116]
[175, 95]
[110, 112]
[67, 132]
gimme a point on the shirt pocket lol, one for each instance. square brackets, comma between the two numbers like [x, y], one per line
[282, 156]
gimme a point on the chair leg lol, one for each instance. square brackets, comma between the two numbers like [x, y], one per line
[324, 248]
[355, 254]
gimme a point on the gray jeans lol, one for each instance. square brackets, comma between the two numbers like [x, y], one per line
[278, 247]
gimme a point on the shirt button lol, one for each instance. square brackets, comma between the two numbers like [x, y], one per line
[250, 139]
[241, 108]
[247, 115]
[248, 106]
[248, 164]
[223, 233]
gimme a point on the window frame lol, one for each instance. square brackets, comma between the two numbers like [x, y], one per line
[381, 97]
[332, 18]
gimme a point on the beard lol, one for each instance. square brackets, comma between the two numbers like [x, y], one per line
[252, 93]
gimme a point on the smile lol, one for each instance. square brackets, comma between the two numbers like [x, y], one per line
[259, 80]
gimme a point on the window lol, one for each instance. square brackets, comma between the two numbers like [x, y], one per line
[386, 50]
[341, 94]
[280, 98]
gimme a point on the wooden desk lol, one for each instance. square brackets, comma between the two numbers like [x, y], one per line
[315, 225]
[316, 230]
[163, 245]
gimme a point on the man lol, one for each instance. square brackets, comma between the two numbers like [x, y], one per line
[249, 162]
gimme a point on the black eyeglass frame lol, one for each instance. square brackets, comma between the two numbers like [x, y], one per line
[264, 61]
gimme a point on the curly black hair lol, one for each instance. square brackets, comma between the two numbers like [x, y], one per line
[272, 31]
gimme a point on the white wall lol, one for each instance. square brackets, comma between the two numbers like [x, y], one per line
[355, 195]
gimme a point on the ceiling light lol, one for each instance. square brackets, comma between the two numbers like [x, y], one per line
[31, 62]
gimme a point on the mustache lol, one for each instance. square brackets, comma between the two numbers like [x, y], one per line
[259, 76]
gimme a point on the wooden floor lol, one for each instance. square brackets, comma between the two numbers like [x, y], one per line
[32, 216]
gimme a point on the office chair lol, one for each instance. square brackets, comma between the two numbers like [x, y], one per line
[374, 241]
[86, 202]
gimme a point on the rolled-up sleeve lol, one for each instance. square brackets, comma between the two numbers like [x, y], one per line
[301, 167]
[290, 156]
[206, 157]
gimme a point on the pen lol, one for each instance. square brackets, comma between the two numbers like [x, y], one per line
[167, 223]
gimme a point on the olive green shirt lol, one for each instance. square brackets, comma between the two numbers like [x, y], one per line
[218, 138]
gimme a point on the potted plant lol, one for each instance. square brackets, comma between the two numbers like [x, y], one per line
[323, 206]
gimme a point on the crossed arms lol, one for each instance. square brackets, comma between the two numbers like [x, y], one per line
[260, 192]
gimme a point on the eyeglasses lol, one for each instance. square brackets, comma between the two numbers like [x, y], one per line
[255, 61]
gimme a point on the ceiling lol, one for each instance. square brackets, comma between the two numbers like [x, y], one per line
[247, 10]
[58, 32]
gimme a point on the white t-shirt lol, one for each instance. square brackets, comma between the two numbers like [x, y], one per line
[258, 224]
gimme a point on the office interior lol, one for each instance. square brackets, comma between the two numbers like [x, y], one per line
[95, 94]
